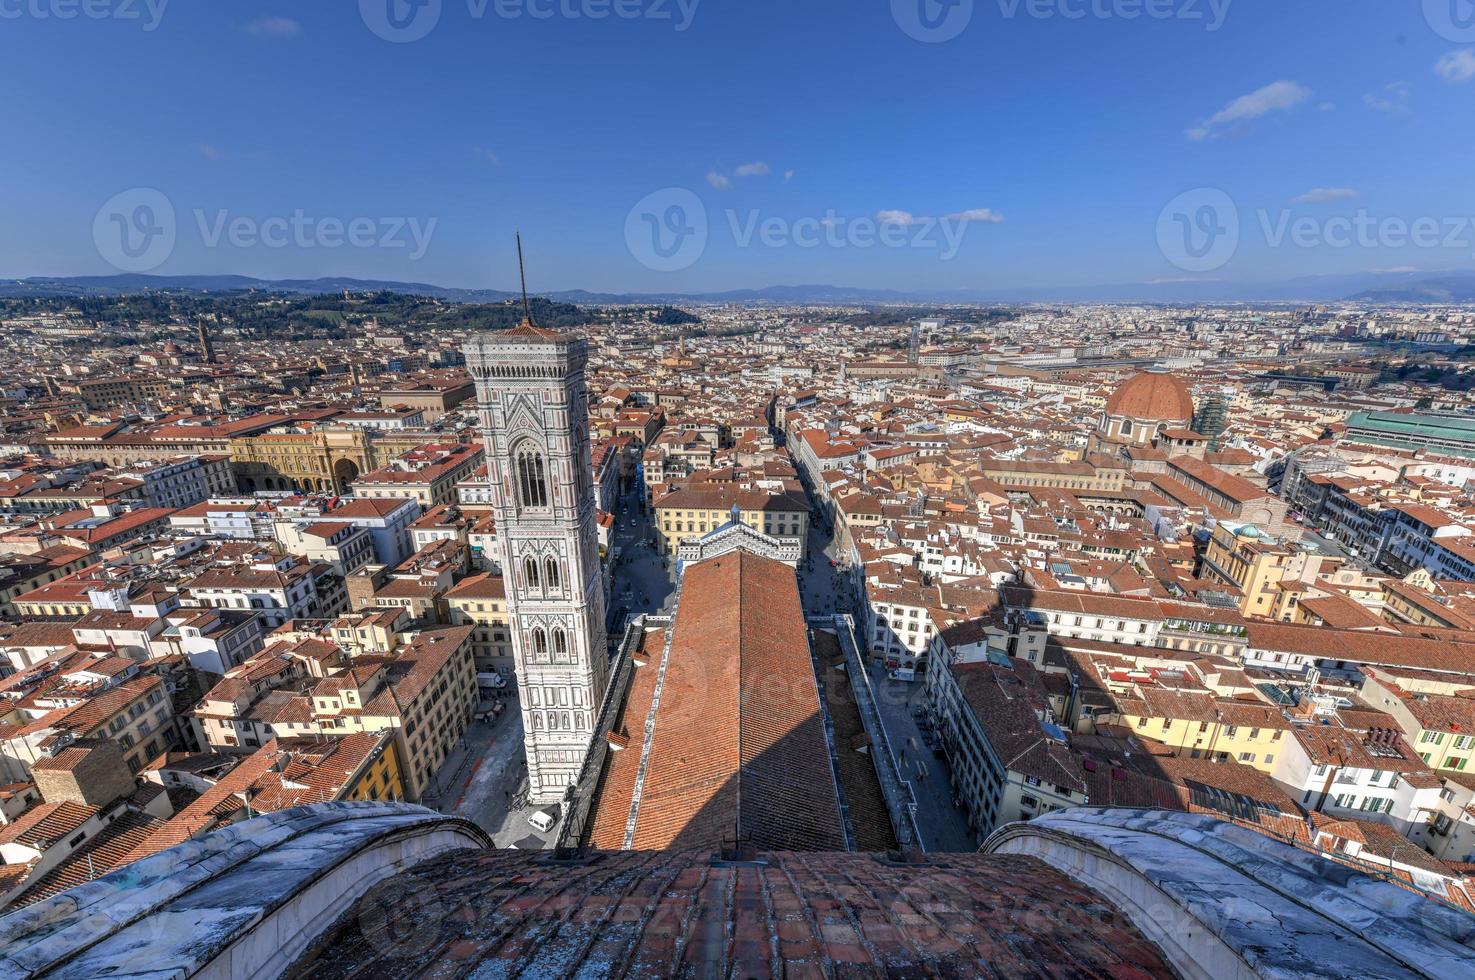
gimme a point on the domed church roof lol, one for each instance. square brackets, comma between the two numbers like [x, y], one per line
[1152, 395]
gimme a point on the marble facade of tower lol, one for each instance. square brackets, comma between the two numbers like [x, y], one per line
[534, 409]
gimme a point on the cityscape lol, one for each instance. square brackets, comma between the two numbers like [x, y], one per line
[415, 565]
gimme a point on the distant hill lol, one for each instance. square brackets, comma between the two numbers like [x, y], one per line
[1439, 290]
[126, 284]
[1453, 286]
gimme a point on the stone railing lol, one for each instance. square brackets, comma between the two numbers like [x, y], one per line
[1222, 901]
[240, 903]
[901, 800]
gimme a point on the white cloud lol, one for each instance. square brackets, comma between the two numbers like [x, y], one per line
[211, 152]
[788, 176]
[1457, 66]
[752, 169]
[978, 214]
[1392, 100]
[273, 27]
[486, 155]
[1399, 269]
[898, 218]
[1326, 195]
[1275, 97]
[719, 181]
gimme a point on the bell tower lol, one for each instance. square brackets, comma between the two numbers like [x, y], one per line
[534, 408]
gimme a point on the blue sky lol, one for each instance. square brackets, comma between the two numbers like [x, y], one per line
[1061, 139]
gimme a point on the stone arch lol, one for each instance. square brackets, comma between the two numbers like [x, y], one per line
[345, 471]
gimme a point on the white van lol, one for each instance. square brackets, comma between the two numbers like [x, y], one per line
[543, 820]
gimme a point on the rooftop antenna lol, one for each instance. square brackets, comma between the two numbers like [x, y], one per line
[527, 309]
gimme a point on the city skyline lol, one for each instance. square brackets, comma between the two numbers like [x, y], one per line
[949, 488]
[821, 143]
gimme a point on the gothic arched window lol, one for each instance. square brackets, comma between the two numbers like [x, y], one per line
[530, 572]
[540, 643]
[551, 577]
[531, 471]
[560, 645]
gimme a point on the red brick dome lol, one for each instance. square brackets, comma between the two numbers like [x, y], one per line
[1152, 396]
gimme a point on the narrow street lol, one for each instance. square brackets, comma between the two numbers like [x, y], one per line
[643, 583]
[821, 583]
[944, 826]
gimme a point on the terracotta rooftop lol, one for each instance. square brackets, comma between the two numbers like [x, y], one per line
[738, 743]
[505, 913]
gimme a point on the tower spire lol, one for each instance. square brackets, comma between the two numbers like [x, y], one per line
[527, 308]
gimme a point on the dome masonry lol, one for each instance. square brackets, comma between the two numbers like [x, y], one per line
[1152, 395]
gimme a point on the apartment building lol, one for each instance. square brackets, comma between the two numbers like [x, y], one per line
[425, 692]
[428, 475]
[1374, 775]
[345, 547]
[1086, 615]
[1425, 537]
[21, 574]
[1256, 564]
[278, 588]
[387, 519]
[1009, 760]
[480, 601]
[697, 509]
[183, 481]
[136, 713]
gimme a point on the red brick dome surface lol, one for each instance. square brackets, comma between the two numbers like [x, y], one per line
[1152, 396]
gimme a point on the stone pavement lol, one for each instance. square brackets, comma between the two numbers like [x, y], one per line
[643, 581]
[944, 826]
[488, 779]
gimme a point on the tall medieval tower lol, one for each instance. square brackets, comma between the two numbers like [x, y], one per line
[535, 418]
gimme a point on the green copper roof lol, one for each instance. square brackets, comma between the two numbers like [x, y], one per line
[1454, 435]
